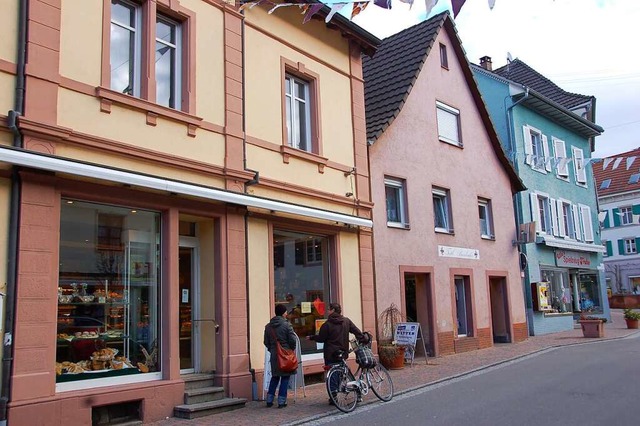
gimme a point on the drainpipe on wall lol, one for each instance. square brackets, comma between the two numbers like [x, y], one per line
[522, 248]
[14, 213]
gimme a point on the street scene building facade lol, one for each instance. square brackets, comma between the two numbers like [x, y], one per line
[169, 171]
[618, 184]
[549, 135]
[442, 191]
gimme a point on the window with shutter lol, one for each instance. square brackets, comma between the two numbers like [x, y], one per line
[560, 154]
[576, 222]
[448, 124]
[578, 166]
[587, 223]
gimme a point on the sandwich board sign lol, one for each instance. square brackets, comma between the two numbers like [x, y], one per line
[407, 334]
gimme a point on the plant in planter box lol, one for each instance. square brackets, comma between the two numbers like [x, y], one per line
[631, 317]
[391, 354]
[592, 326]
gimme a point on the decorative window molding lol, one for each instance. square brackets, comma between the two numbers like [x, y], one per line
[296, 74]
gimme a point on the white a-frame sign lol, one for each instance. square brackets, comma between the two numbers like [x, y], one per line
[408, 334]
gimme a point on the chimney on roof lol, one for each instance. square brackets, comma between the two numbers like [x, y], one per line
[485, 62]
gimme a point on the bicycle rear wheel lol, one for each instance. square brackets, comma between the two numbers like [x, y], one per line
[343, 397]
[380, 382]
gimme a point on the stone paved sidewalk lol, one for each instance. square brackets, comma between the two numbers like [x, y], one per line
[315, 403]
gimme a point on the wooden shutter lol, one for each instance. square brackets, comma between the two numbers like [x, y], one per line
[545, 150]
[561, 231]
[576, 222]
[621, 247]
[585, 212]
[578, 164]
[534, 211]
[616, 217]
[528, 147]
[554, 216]
[609, 248]
[560, 152]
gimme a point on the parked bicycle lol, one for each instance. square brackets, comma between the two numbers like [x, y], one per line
[347, 389]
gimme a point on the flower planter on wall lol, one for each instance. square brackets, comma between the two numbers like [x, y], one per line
[592, 328]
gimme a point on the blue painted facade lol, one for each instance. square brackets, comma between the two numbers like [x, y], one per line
[564, 277]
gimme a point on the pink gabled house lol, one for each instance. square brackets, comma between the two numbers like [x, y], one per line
[443, 190]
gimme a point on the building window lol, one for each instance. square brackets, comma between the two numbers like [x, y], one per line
[560, 153]
[442, 210]
[605, 184]
[464, 316]
[444, 61]
[559, 295]
[396, 202]
[298, 112]
[634, 178]
[626, 215]
[567, 220]
[168, 62]
[486, 218]
[589, 293]
[448, 124]
[630, 246]
[541, 213]
[144, 55]
[578, 166]
[536, 149]
[108, 292]
[126, 41]
[301, 281]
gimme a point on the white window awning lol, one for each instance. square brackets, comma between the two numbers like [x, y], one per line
[24, 158]
[570, 245]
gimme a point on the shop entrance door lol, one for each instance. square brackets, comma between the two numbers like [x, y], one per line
[419, 307]
[188, 306]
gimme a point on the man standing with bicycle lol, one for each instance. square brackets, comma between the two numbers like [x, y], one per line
[334, 333]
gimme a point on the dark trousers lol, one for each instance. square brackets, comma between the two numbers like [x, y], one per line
[282, 393]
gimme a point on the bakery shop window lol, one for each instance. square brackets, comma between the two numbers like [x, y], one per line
[301, 282]
[108, 291]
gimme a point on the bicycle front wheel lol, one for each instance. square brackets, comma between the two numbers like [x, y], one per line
[343, 397]
[380, 382]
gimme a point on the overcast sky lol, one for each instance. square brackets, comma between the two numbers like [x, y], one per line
[584, 46]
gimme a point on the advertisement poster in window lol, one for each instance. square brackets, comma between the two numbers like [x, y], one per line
[319, 322]
[543, 296]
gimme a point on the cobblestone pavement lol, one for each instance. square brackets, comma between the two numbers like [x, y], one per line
[315, 403]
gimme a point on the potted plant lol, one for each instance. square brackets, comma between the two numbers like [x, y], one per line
[391, 354]
[592, 326]
[631, 317]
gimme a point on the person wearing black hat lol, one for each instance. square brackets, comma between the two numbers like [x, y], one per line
[285, 335]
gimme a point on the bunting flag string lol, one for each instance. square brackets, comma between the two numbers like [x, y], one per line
[561, 162]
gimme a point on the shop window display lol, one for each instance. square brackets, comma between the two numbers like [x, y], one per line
[108, 292]
[301, 282]
[589, 293]
[559, 290]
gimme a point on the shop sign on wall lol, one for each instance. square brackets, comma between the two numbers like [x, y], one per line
[459, 252]
[572, 259]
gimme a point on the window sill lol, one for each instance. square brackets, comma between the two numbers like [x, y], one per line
[288, 152]
[557, 314]
[153, 111]
[450, 142]
[488, 237]
[444, 231]
[398, 225]
[539, 170]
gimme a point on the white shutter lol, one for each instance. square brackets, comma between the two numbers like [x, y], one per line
[585, 212]
[561, 231]
[560, 153]
[534, 211]
[545, 150]
[554, 216]
[576, 222]
[528, 147]
[578, 165]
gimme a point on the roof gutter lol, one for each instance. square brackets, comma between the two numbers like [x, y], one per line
[76, 168]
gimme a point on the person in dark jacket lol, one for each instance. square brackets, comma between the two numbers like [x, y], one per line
[334, 333]
[287, 338]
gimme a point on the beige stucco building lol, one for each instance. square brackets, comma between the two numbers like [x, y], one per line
[442, 191]
[176, 169]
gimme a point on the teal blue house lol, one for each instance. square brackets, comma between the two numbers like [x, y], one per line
[548, 134]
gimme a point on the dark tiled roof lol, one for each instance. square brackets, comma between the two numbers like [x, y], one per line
[522, 73]
[619, 169]
[389, 76]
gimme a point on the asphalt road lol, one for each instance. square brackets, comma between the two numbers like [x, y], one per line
[588, 385]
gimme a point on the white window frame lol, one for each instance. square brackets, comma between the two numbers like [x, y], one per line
[293, 118]
[578, 166]
[399, 186]
[566, 222]
[136, 55]
[560, 154]
[444, 111]
[486, 232]
[444, 196]
[541, 202]
[626, 215]
[536, 155]
[176, 72]
[630, 246]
